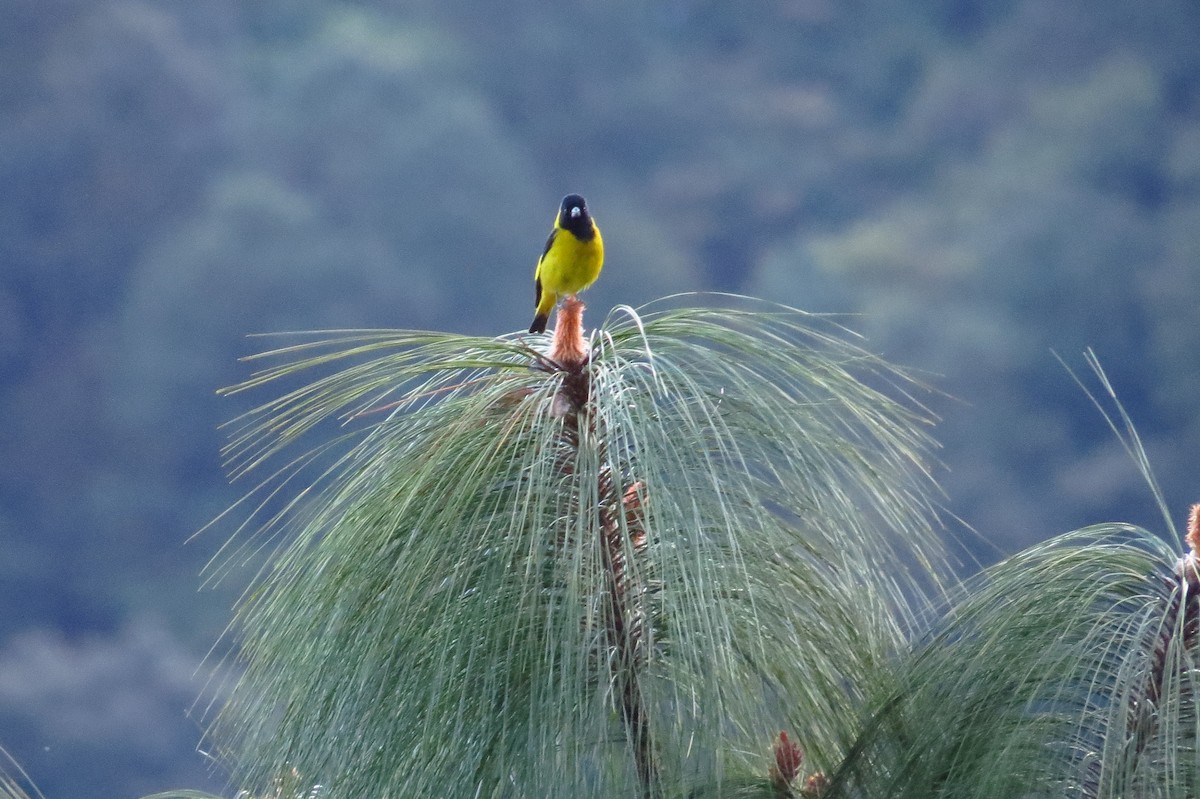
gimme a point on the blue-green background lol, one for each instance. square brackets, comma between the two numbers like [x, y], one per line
[980, 182]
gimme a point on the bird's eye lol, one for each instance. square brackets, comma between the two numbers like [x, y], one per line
[575, 212]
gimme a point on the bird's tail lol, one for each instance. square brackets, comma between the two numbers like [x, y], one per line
[539, 323]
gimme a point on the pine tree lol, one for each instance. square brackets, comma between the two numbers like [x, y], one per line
[689, 555]
[617, 567]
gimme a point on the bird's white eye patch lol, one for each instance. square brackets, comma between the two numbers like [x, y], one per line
[575, 212]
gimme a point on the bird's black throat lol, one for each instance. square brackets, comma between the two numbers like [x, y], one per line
[581, 226]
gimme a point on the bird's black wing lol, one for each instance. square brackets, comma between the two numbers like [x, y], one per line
[537, 297]
[549, 243]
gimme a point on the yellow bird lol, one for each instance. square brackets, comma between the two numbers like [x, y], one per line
[570, 262]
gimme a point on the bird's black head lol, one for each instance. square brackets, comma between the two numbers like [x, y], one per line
[573, 215]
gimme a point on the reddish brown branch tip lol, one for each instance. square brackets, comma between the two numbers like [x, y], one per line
[785, 772]
[1193, 531]
[815, 785]
[788, 759]
[1188, 568]
[569, 355]
[569, 348]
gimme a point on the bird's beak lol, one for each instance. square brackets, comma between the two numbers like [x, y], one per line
[575, 212]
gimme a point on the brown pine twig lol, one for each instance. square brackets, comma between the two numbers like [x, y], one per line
[1184, 588]
[624, 615]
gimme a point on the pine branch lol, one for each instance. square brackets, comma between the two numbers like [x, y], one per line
[624, 620]
[625, 627]
[612, 568]
[1179, 631]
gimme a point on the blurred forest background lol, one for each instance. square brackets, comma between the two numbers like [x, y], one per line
[980, 183]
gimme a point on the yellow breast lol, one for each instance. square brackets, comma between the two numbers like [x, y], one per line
[571, 265]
